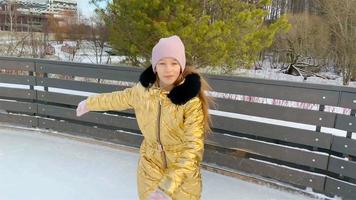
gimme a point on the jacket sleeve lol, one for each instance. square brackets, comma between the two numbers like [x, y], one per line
[189, 161]
[118, 100]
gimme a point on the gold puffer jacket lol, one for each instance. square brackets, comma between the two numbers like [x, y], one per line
[173, 119]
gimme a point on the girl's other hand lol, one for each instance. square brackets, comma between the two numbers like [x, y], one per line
[82, 108]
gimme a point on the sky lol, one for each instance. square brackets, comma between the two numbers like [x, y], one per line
[85, 8]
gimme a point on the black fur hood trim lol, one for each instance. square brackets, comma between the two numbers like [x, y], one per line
[180, 94]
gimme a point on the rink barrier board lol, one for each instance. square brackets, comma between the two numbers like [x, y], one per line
[270, 150]
[282, 91]
[269, 83]
[344, 145]
[126, 74]
[17, 79]
[24, 107]
[324, 116]
[341, 188]
[68, 113]
[109, 135]
[78, 85]
[55, 64]
[348, 100]
[14, 93]
[285, 174]
[284, 83]
[92, 117]
[59, 98]
[342, 167]
[58, 65]
[274, 132]
[318, 94]
[345, 122]
[9, 64]
[295, 115]
[68, 99]
[27, 121]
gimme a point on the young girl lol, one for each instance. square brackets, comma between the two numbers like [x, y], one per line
[172, 113]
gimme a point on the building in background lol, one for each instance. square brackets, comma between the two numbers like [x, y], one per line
[33, 15]
[59, 6]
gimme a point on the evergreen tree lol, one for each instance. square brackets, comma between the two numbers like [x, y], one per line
[227, 33]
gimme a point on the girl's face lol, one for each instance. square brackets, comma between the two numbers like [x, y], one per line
[168, 70]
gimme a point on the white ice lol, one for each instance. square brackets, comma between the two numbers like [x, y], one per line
[35, 165]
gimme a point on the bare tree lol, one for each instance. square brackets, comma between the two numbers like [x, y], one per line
[341, 19]
[99, 37]
[280, 7]
[305, 46]
[11, 14]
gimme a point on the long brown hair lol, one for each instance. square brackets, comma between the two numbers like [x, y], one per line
[207, 101]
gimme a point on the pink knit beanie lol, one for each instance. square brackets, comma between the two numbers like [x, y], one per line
[171, 47]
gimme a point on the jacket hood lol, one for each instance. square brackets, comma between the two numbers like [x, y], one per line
[180, 94]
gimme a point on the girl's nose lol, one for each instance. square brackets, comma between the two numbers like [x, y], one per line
[169, 67]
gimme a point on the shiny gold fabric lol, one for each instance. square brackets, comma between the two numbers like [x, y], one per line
[181, 129]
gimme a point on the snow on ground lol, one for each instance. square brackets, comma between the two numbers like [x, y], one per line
[35, 165]
[266, 71]
[85, 54]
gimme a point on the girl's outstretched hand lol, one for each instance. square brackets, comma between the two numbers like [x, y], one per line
[158, 195]
[82, 108]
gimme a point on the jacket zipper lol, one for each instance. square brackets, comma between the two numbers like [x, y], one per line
[160, 146]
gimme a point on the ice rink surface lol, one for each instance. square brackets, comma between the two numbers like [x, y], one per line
[38, 166]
